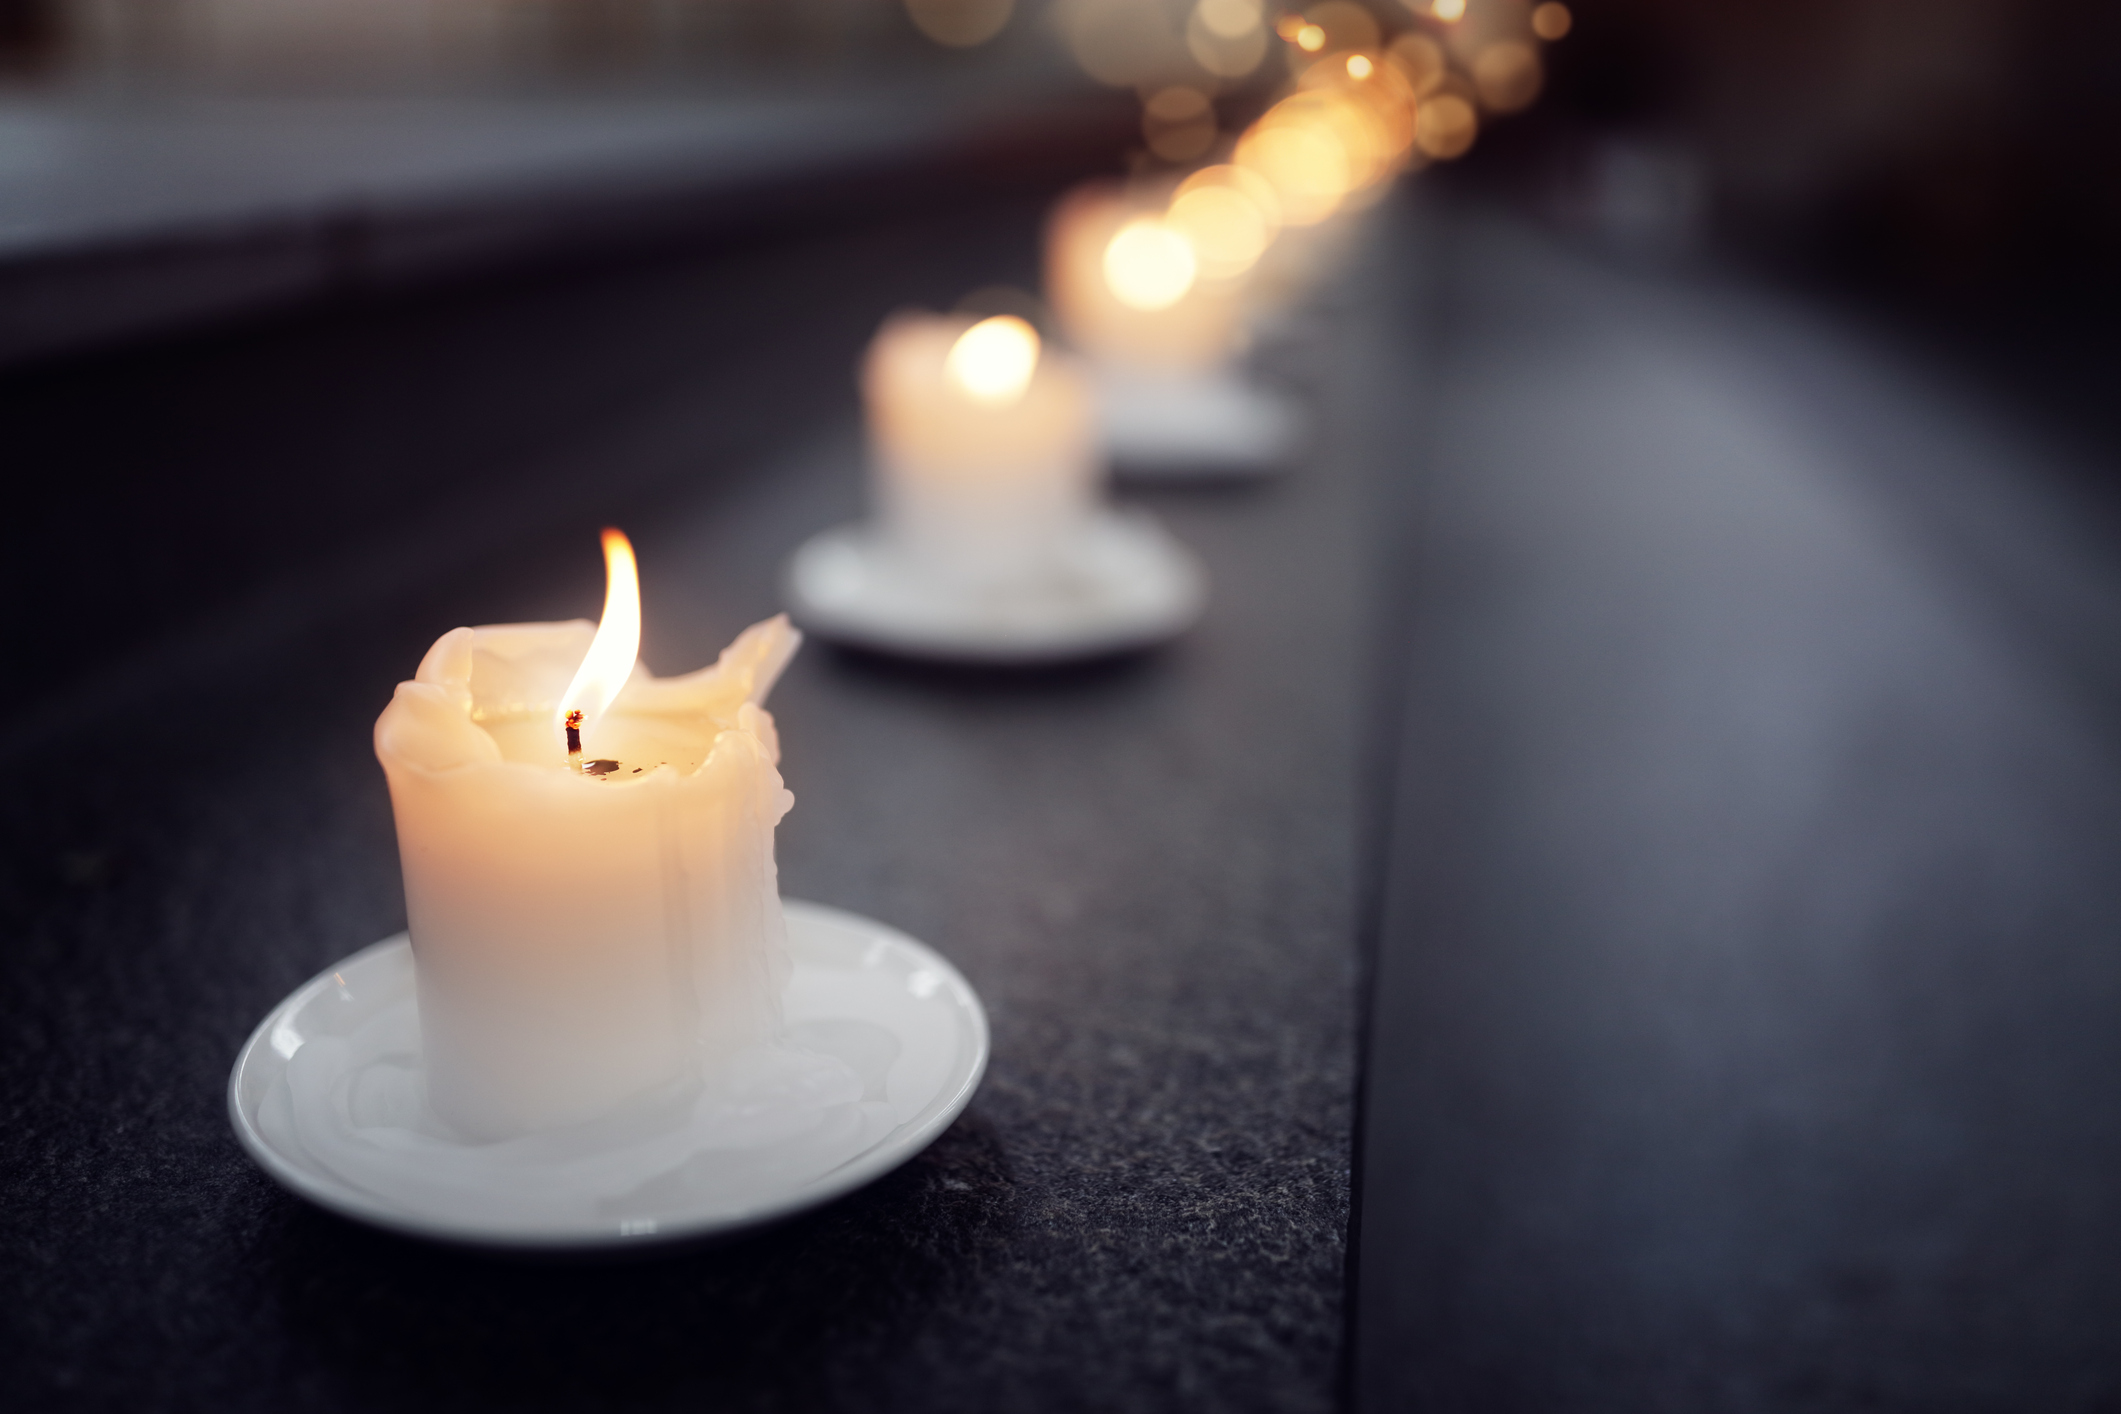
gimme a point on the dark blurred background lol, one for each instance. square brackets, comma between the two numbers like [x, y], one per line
[1616, 907]
[1945, 167]
[1950, 165]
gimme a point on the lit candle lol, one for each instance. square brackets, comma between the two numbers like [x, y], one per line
[1155, 296]
[982, 446]
[588, 860]
[1130, 289]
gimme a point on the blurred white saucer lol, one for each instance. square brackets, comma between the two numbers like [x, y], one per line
[1121, 583]
[1214, 424]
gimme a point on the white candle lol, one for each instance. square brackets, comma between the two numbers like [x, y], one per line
[1130, 288]
[982, 446]
[585, 935]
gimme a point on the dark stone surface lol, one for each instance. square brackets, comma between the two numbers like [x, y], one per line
[1146, 867]
[1747, 1028]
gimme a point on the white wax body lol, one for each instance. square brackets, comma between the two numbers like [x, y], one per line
[973, 491]
[581, 941]
[1201, 331]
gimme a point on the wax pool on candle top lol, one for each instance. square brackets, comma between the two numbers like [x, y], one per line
[582, 940]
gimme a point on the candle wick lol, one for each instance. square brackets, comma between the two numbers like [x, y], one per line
[574, 740]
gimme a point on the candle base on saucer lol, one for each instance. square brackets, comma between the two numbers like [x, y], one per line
[884, 1045]
[1212, 424]
[1120, 583]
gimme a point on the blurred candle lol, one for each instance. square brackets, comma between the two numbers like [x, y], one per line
[586, 932]
[981, 445]
[1130, 287]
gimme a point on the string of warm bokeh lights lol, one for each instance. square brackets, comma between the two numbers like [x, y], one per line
[1363, 105]
[1369, 94]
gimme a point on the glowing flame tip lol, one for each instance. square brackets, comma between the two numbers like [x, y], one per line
[1150, 264]
[992, 362]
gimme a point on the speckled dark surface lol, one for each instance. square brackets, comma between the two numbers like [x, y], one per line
[1747, 1017]
[1147, 868]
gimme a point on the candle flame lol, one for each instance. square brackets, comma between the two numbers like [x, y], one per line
[1149, 264]
[992, 362]
[609, 661]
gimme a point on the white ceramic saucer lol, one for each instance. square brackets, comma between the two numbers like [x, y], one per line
[1213, 425]
[1123, 584]
[848, 969]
